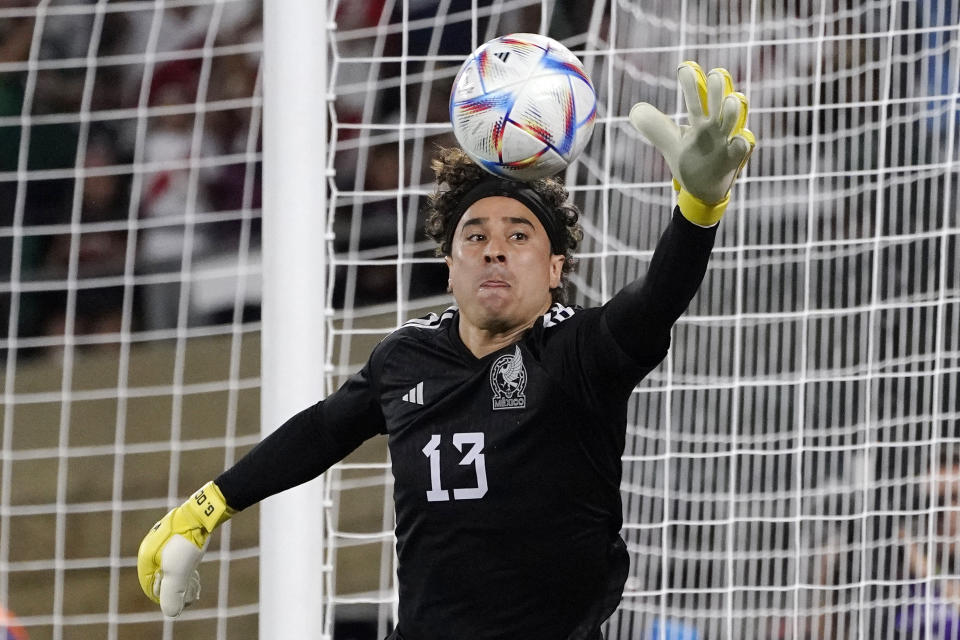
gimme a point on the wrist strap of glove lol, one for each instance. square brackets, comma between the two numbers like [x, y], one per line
[209, 507]
[699, 212]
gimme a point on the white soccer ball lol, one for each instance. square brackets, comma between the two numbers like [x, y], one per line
[522, 106]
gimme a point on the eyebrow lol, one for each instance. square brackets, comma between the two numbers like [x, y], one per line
[508, 219]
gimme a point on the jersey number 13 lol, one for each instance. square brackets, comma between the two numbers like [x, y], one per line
[473, 456]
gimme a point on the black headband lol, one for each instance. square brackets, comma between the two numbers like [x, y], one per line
[520, 192]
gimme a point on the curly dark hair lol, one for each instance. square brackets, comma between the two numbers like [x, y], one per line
[456, 174]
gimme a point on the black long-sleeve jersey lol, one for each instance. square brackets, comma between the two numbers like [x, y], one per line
[507, 467]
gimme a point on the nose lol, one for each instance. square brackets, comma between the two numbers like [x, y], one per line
[494, 251]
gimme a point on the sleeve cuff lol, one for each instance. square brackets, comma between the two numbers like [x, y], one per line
[699, 212]
[210, 507]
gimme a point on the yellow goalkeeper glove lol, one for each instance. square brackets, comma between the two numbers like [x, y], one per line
[171, 551]
[706, 155]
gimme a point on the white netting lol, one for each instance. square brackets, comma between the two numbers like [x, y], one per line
[780, 470]
[129, 205]
[778, 465]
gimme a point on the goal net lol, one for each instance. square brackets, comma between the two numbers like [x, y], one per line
[792, 469]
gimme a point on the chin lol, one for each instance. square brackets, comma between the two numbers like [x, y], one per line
[497, 325]
[494, 319]
[498, 311]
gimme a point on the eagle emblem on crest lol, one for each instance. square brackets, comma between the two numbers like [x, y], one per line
[508, 379]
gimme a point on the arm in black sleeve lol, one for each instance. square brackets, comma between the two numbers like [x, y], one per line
[641, 315]
[306, 445]
[300, 450]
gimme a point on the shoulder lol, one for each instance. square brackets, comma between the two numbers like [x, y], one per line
[563, 319]
[558, 314]
[410, 343]
[427, 324]
[572, 327]
[560, 325]
[419, 344]
[425, 329]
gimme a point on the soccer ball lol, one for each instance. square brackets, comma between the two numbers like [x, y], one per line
[522, 106]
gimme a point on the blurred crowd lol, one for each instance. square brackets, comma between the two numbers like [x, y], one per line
[166, 142]
[164, 184]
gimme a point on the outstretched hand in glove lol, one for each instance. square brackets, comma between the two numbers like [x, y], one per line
[707, 154]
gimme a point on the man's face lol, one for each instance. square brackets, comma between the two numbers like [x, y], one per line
[501, 266]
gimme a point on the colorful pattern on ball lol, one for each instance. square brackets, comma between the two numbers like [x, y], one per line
[10, 628]
[523, 107]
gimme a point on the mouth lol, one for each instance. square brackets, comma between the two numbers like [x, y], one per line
[494, 284]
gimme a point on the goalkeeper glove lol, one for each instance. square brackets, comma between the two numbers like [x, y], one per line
[706, 155]
[171, 551]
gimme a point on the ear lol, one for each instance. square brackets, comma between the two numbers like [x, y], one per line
[556, 270]
[449, 262]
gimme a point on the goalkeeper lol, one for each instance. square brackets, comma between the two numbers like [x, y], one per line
[506, 414]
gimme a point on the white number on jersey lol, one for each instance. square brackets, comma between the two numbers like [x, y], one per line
[473, 456]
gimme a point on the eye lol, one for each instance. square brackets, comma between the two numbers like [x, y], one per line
[519, 235]
[476, 237]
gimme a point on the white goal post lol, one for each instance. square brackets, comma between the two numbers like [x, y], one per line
[294, 306]
[211, 210]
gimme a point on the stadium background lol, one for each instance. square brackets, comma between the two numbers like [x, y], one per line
[780, 473]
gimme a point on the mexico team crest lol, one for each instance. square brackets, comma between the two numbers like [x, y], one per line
[508, 379]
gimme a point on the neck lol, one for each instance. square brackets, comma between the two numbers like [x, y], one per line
[484, 340]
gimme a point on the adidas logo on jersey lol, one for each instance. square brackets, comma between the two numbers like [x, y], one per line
[415, 395]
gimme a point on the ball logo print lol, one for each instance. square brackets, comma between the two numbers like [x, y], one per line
[522, 106]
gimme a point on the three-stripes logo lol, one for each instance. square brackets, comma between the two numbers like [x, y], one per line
[415, 395]
[503, 55]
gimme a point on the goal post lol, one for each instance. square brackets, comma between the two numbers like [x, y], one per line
[294, 306]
